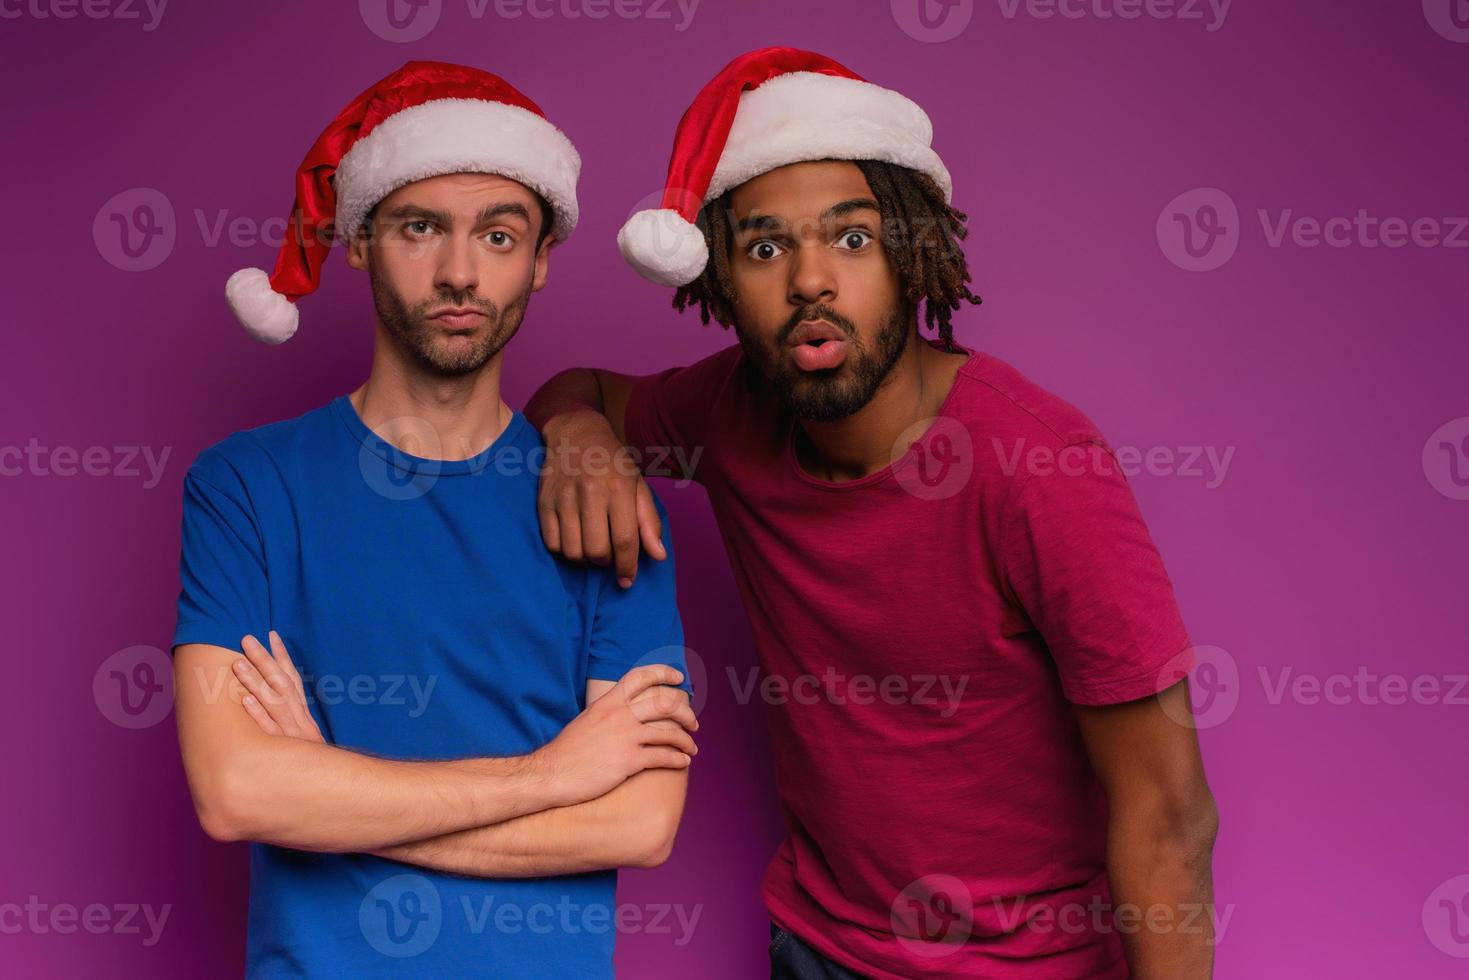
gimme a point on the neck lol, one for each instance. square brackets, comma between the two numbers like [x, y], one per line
[427, 414]
[868, 440]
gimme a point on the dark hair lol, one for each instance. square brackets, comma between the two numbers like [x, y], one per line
[920, 234]
[547, 218]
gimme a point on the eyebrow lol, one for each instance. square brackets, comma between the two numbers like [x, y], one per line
[416, 212]
[769, 222]
[847, 207]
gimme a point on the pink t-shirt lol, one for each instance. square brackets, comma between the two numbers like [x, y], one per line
[922, 633]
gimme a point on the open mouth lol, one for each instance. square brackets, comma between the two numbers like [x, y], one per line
[817, 345]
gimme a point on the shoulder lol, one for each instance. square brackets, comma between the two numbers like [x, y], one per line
[242, 458]
[709, 375]
[997, 399]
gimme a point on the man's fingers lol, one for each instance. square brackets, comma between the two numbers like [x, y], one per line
[659, 757]
[568, 516]
[670, 734]
[286, 664]
[258, 660]
[650, 525]
[684, 714]
[550, 525]
[255, 710]
[623, 513]
[272, 704]
[639, 679]
[666, 704]
[595, 543]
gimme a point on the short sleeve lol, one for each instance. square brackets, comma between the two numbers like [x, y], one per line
[639, 625]
[1080, 561]
[674, 412]
[224, 590]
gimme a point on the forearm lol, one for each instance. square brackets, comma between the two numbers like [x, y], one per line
[1161, 871]
[318, 797]
[573, 390]
[632, 826]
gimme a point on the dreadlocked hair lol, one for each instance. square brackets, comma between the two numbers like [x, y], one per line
[920, 235]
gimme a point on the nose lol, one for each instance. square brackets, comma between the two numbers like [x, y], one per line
[457, 271]
[812, 278]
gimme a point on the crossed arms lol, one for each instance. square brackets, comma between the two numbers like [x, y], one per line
[607, 792]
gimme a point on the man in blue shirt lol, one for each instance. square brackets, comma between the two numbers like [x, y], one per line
[456, 736]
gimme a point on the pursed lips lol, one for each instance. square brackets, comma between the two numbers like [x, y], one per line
[817, 345]
[814, 332]
[458, 316]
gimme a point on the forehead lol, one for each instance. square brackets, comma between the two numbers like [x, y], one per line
[465, 193]
[800, 191]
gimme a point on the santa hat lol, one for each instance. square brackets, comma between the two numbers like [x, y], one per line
[766, 109]
[425, 119]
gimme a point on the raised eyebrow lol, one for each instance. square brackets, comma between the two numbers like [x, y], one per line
[759, 222]
[414, 212]
[844, 208]
[769, 222]
[501, 210]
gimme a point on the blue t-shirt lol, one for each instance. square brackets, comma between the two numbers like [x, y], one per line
[428, 621]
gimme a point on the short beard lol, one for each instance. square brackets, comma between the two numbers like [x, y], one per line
[826, 396]
[411, 331]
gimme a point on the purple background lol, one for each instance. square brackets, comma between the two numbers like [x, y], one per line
[1328, 548]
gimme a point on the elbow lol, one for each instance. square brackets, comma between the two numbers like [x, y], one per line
[656, 854]
[652, 856]
[1200, 826]
[219, 817]
[218, 825]
[654, 842]
[1186, 827]
[1209, 821]
[226, 806]
[1167, 825]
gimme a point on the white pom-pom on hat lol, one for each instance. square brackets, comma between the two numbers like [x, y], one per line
[265, 313]
[663, 246]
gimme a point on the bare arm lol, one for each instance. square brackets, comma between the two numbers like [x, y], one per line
[593, 510]
[575, 390]
[250, 785]
[632, 826]
[1161, 831]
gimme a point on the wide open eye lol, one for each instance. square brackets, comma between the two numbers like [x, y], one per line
[764, 250]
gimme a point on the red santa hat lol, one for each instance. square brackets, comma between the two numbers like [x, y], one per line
[425, 119]
[766, 109]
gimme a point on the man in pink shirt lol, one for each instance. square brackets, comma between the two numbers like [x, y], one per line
[982, 739]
